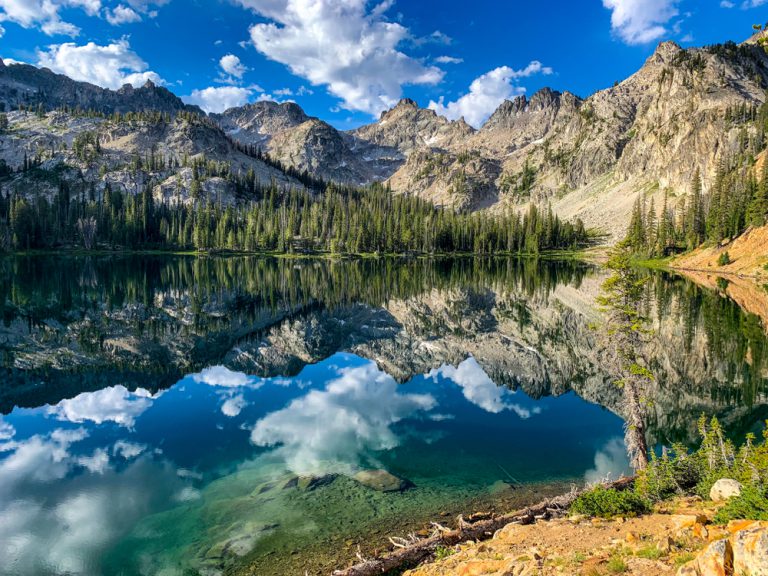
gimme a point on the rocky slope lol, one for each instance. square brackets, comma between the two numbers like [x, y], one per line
[591, 158]
[28, 86]
[130, 156]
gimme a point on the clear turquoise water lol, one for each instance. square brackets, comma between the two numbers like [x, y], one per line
[190, 478]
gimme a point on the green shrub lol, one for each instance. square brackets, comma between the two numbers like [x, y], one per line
[752, 504]
[441, 552]
[608, 502]
[724, 259]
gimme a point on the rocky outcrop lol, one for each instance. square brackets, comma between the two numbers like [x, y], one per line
[28, 86]
[122, 160]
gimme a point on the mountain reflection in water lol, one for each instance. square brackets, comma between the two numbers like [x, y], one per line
[195, 415]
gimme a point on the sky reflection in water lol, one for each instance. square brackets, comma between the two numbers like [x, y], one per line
[78, 478]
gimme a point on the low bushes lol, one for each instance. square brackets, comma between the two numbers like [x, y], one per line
[680, 472]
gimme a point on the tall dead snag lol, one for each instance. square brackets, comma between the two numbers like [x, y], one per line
[625, 333]
[87, 228]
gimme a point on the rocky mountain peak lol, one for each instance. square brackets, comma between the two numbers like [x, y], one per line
[544, 98]
[2, 64]
[665, 52]
[514, 114]
[405, 107]
[149, 85]
[407, 103]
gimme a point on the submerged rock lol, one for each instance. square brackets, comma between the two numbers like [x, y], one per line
[382, 481]
[308, 483]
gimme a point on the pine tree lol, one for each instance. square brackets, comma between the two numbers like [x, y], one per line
[758, 205]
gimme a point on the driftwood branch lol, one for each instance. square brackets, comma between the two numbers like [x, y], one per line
[421, 550]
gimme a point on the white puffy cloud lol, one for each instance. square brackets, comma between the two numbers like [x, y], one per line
[91, 7]
[641, 21]
[486, 93]
[108, 66]
[334, 430]
[116, 404]
[44, 14]
[232, 66]
[219, 98]
[122, 14]
[67, 528]
[342, 45]
[611, 462]
[222, 376]
[233, 406]
[480, 390]
[96, 463]
[6, 430]
[38, 459]
[448, 60]
[128, 450]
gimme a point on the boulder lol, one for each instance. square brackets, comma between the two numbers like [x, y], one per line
[717, 559]
[724, 489]
[750, 551]
[382, 481]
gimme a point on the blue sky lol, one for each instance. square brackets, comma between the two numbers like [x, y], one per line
[347, 60]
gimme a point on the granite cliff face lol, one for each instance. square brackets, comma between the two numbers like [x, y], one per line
[591, 158]
[90, 153]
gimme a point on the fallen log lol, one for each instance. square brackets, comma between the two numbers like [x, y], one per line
[483, 530]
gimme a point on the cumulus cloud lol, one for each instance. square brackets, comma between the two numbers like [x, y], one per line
[336, 429]
[611, 462]
[109, 66]
[219, 98]
[96, 463]
[222, 376]
[233, 406]
[233, 67]
[128, 450]
[44, 14]
[6, 430]
[486, 93]
[641, 21]
[116, 404]
[343, 45]
[480, 390]
[122, 14]
[69, 526]
[39, 459]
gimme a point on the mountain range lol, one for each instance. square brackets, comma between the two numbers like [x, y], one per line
[684, 112]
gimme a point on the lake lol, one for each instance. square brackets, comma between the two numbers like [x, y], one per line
[182, 416]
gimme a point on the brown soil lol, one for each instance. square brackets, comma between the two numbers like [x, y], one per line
[653, 545]
[748, 254]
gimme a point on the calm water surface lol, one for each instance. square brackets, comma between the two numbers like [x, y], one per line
[183, 416]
